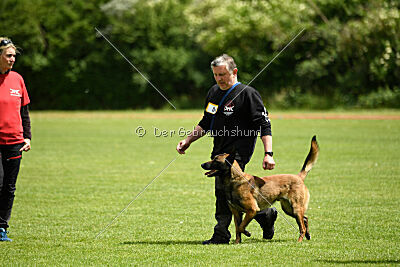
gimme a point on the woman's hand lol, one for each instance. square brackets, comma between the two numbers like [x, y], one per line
[27, 145]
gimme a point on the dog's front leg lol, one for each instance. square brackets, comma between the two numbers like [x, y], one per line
[247, 219]
[238, 220]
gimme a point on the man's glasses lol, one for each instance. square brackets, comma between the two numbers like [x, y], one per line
[5, 42]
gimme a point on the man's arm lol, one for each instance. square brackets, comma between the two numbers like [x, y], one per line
[260, 119]
[193, 136]
[268, 162]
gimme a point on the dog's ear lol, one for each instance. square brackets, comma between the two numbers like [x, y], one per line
[259, 182]
[231, 158]
[232, 154]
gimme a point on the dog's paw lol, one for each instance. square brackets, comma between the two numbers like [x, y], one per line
[308, 236]
[247, 233]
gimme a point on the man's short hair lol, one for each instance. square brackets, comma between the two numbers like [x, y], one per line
[224, 60]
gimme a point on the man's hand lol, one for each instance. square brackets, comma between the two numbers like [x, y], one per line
[182, 146]
[268, 163]
[197, 133]
[27, 145]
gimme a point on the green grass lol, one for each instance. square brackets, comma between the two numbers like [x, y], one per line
[84, 168]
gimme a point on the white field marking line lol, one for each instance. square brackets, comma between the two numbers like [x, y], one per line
[269, 63]
[130, 63]
[137, 196]
[262, 195]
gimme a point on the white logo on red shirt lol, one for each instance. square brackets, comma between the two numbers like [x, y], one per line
[15, 92]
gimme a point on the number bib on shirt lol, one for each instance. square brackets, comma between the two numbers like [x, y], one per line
[211, 108]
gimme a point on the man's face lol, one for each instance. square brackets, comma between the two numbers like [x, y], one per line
[224, 79]
[7, 59]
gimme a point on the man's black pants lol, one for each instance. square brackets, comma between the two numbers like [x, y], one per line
[223, 214]
[10, 160]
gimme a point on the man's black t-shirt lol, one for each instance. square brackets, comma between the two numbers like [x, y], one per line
[236, 122]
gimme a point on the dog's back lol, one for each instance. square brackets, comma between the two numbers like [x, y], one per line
[283, 187]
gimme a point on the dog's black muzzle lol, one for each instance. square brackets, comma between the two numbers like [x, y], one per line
[206, 166]
[211, 172]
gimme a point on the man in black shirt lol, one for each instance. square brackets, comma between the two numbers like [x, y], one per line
[234, 115]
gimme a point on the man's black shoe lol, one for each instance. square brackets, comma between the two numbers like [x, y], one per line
[267, 221]
[215, 241]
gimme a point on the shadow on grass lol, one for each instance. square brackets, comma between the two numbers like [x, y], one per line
[252, 241]
[195, 242]
[166, 242]
[359, 261]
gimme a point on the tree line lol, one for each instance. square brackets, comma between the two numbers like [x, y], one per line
[347, 53]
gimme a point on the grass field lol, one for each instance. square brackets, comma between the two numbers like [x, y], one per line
[84, 168]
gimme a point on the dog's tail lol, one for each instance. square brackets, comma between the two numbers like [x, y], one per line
[311, 158]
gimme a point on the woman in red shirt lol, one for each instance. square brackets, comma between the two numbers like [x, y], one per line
[15, 130]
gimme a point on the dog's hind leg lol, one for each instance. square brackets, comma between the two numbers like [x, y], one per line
[300, 223]
[287, 207]
[306, 200]
[303, 227]
[307, 230]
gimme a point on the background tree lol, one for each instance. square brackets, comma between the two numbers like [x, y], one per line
[347, 55]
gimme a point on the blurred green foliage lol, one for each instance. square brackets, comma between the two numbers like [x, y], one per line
[348, 54]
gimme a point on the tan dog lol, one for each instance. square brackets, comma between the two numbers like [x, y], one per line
[249, 194]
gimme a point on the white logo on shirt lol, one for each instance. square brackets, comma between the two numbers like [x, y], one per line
[15, 92]
[228, 108]
[265, 114]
